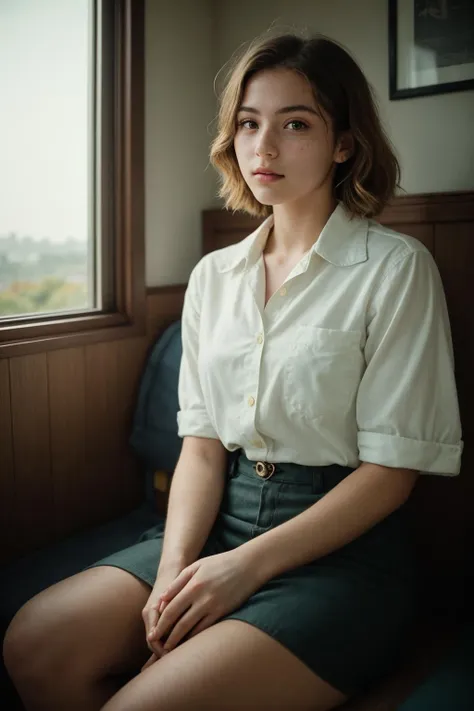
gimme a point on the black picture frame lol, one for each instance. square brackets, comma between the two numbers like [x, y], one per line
[397, 36]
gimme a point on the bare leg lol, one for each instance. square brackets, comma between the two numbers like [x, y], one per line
[66, 648]
[230, 666]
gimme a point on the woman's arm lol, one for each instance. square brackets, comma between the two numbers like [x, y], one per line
[362, 499]
[200, 474]
[195, 496]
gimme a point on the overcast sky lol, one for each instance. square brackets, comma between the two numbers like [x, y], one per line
[43, 118]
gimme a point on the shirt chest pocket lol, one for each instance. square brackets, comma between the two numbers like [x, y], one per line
[322, 372]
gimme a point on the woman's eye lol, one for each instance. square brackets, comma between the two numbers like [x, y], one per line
[245, 121]
[300, 126]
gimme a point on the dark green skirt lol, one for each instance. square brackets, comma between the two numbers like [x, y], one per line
[346, 615]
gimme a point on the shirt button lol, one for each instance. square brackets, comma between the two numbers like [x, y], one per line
[260, 338]
[251, 401]
[283, 291]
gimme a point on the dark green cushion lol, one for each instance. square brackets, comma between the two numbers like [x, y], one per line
[155, 428]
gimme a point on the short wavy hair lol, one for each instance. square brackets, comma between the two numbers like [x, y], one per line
[368, 179]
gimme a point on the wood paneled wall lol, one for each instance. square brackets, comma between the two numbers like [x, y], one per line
[65, 418]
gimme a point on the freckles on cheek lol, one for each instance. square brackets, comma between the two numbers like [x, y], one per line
[305, 153]
[305, 159]
[309, 147]
[312, 157]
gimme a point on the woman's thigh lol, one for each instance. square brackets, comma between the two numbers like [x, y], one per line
[90, 623]
[229, 666]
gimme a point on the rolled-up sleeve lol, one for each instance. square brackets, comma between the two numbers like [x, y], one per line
[407, 406]
[193, 417]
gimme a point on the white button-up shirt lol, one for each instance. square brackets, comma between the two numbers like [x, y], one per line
[350, 361]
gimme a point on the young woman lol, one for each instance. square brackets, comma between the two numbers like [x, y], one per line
[318, 352]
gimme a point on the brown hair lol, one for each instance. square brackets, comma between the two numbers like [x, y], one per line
[367, 180]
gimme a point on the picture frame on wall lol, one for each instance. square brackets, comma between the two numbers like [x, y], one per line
[431, 47]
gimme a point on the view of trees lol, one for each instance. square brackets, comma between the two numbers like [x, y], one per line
[41, 275]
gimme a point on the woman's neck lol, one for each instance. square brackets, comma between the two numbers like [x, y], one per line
[295, 231]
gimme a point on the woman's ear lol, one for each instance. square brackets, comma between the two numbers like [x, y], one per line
[344, 147]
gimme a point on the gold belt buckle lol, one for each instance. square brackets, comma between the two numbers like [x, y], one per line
[264, 469]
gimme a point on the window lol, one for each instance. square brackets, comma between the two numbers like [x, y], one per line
[71, 185]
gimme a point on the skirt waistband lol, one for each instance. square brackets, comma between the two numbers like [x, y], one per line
[289, 472]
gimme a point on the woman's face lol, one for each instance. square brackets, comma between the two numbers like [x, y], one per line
[280, 128]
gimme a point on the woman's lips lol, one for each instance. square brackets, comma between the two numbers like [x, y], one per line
[267, 177]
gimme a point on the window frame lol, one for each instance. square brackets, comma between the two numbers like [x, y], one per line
[120, 184]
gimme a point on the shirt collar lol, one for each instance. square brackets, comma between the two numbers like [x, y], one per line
[342, 242]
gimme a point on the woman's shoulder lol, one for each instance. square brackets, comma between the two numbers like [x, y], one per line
[209, 271]
[389, 246]
[224, 259]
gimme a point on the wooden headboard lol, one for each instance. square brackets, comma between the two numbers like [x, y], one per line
[444, 222]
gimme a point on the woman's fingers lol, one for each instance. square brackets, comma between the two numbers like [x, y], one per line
[156, 647]
[177, 585]
[182, 627]
[152, 616]
[173, 611]
[151, 632]
[153, 642]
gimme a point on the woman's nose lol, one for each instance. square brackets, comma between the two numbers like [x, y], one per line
[266, 145]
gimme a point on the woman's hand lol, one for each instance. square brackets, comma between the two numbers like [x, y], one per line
[202, 593]
[154, 657]
[151, 611]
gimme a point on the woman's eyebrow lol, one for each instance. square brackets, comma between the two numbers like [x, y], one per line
[283, 110]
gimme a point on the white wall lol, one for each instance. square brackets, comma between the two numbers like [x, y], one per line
[433, 135]
[180, 106]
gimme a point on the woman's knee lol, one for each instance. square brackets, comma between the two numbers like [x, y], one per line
[77, 625]
[23, 652]
[33, 639]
